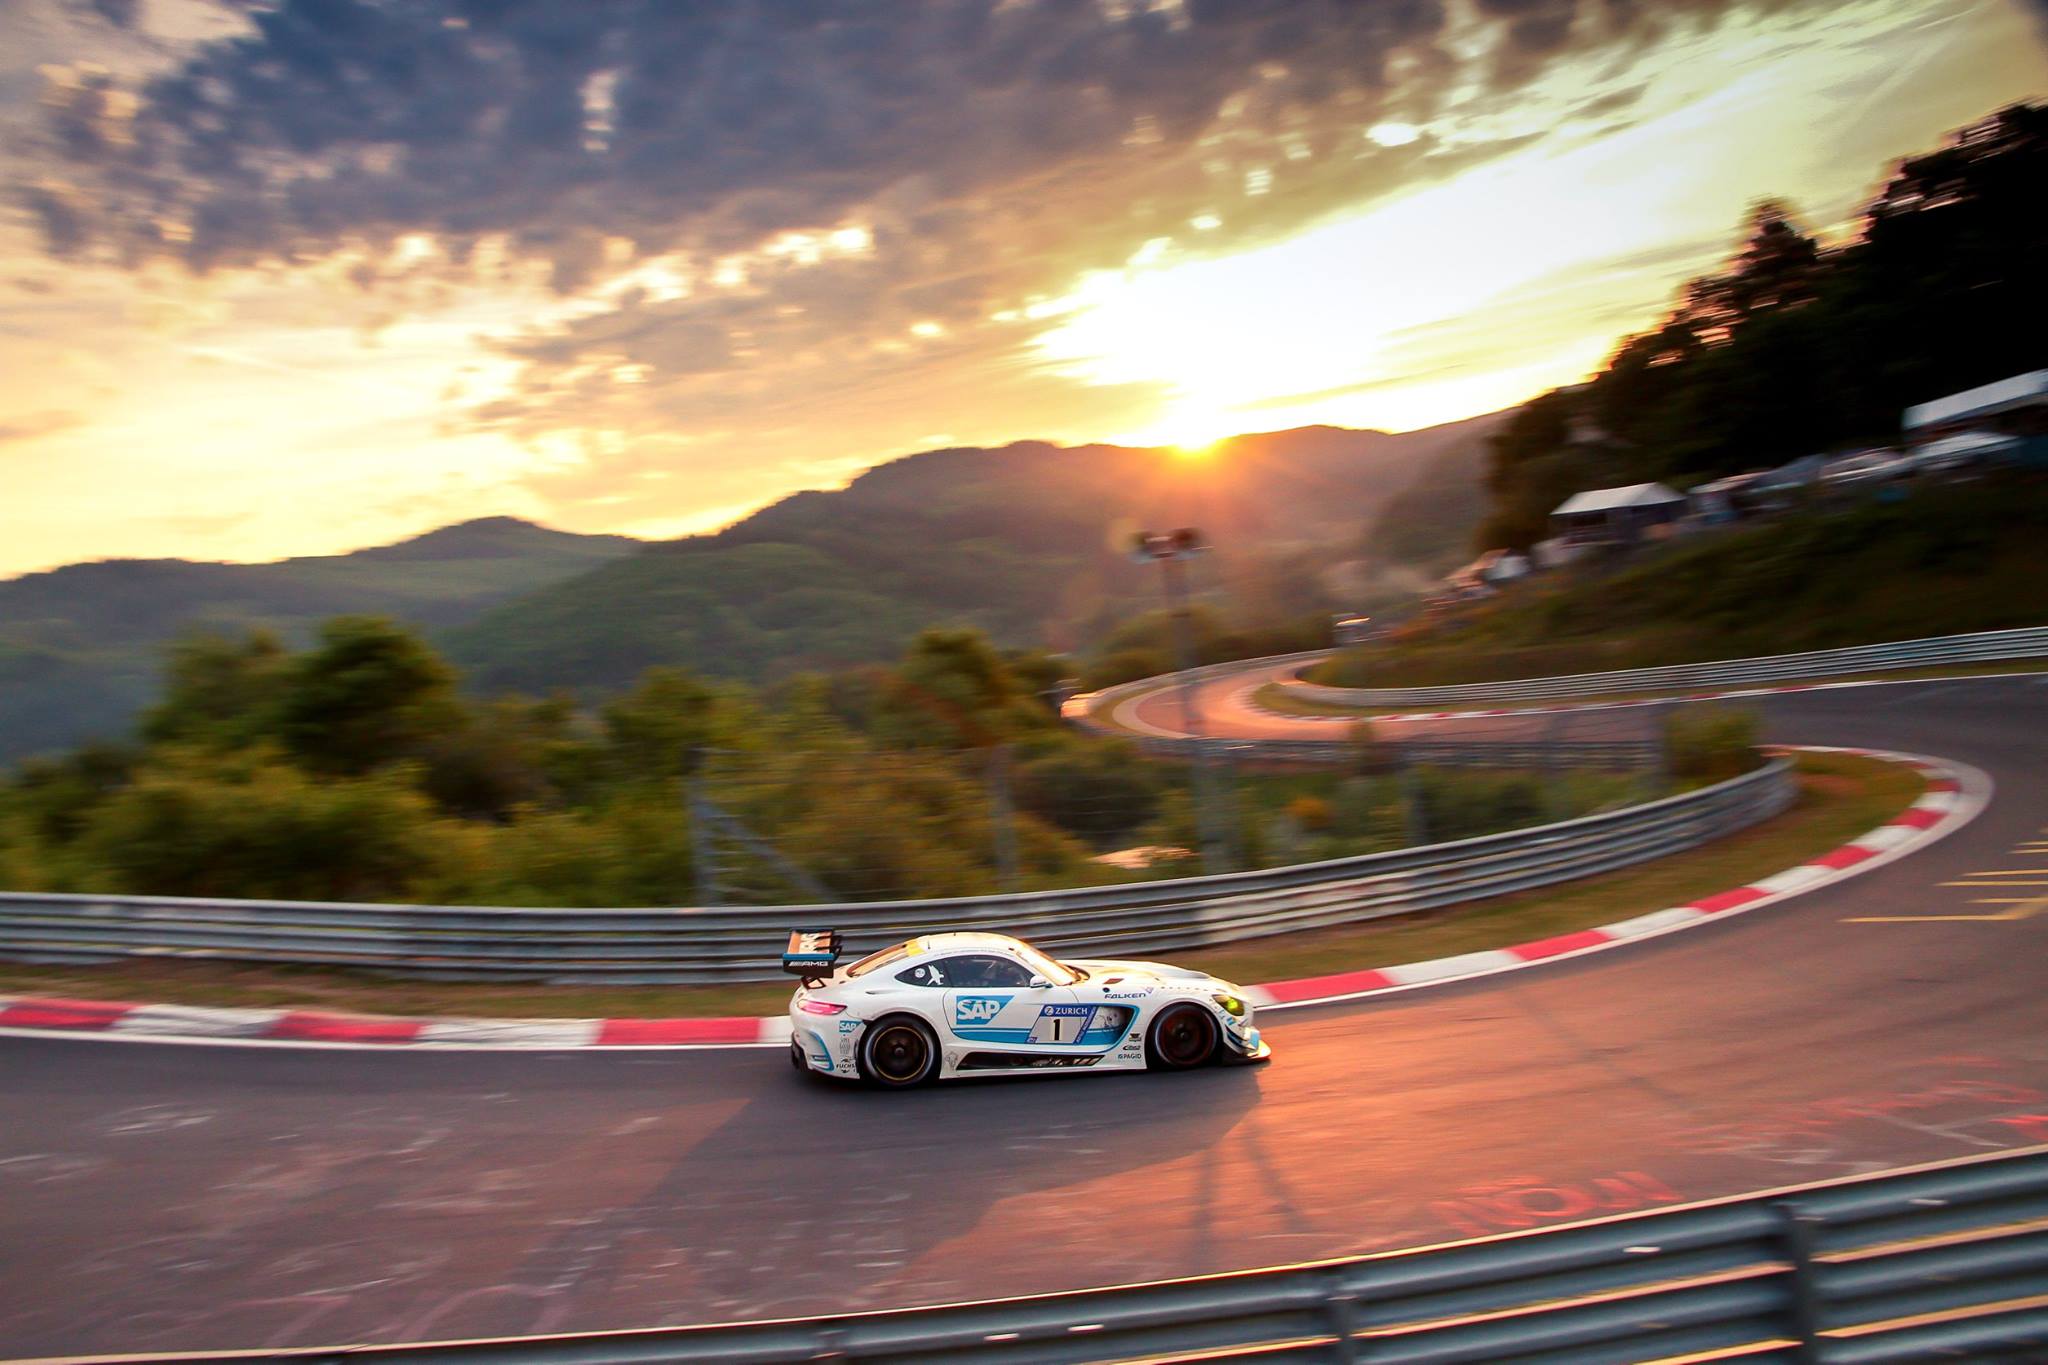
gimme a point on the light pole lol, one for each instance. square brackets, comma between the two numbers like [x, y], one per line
[1171, 550]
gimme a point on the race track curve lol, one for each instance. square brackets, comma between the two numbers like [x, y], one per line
[165, 1196]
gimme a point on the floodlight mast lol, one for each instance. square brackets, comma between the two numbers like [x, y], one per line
[1171, 550]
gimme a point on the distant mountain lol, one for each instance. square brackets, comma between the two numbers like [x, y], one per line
[1027, 542]
[80, 645]
[1429, 524]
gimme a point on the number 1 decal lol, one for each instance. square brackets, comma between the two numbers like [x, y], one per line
[1061, 1024]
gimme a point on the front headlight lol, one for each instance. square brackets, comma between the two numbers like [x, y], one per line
[1231, 1005]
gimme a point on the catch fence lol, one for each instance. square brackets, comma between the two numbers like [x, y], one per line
[739, 943]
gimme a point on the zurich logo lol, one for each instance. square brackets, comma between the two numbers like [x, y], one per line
[978, 1009]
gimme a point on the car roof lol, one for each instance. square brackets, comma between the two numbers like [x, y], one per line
[962, 941]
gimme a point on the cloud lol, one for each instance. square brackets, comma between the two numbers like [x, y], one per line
[38, 424]
[119, 13]
[707, 127]
[768, 213]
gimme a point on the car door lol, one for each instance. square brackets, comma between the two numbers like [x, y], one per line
[991, 1003]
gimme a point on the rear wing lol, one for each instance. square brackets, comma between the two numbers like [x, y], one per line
[812, 954]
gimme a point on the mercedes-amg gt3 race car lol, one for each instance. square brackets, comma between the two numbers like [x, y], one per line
[947, 1005]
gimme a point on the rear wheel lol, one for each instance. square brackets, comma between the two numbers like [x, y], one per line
[899, 1052]
[1183, 1036]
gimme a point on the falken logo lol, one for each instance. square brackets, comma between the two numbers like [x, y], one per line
[978, 1009]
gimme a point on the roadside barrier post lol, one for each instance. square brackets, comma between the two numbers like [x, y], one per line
[1804, 1296]
[1413, 806]
[703, 847]
[1002, 816]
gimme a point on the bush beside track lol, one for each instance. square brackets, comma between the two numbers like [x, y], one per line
[1841, 795]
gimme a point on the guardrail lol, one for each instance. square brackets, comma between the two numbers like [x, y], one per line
[741, 943]
[2029, 642]
[1619, 755]
[1946, 1261]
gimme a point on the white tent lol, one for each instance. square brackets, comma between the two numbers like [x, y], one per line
[1986, 400]
[1615, 499]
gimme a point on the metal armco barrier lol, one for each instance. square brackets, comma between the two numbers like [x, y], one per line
[742, 943]
[1940, 1262]
[1621, 755]
[1986, 646]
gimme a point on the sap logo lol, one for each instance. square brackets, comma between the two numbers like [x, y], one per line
[978, 1009]
[848, 1025]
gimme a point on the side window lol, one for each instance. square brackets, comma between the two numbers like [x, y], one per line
[923, 974]
[982, 969]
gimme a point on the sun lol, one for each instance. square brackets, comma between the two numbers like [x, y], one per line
[1190, 432]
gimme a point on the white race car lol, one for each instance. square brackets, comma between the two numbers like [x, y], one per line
[960, 1004]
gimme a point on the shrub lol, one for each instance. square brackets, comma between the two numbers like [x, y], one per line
[1310, 813]
[1710, 743]
[1100, 790]
[253, 827]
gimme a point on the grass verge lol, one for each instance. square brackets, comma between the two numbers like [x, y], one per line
[1278, 698]
[1841, 796]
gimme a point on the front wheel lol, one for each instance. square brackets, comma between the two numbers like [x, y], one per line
[898, 1053]
[1183, 1036]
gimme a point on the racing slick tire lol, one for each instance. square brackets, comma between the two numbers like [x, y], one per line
[1183, 1036]
[898, 1052]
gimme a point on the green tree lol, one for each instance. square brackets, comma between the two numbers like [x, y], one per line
[220, 691]
[659, 730]
[634, 851]
[1100, 790]
[54, 798]
[1793, 349]
[496, 758]
[954, 690]
[369, 693]
[249, 825]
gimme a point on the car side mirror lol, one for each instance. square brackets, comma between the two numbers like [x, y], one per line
[1039, 983]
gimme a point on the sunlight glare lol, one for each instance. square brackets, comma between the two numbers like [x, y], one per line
[1430, 301]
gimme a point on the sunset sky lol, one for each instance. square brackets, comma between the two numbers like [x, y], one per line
[297, 278]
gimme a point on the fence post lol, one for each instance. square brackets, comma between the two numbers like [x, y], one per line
[1340, 1309]
[1803, 1295]
[1554, 770]
[1412, 805]
[1002, 815]
[703, 847]
[1660, 716]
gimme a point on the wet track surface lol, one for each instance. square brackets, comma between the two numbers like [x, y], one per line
[176, 1196]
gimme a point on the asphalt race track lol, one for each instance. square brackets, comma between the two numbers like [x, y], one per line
[160, 1197]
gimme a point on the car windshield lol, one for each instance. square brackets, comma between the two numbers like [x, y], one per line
[1059, 973]
[880, 959]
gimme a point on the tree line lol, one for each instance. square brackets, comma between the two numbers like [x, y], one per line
[357, 769]
[1798, 348]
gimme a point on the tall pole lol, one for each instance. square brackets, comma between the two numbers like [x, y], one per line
[1175, 581]
[1170, 551]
